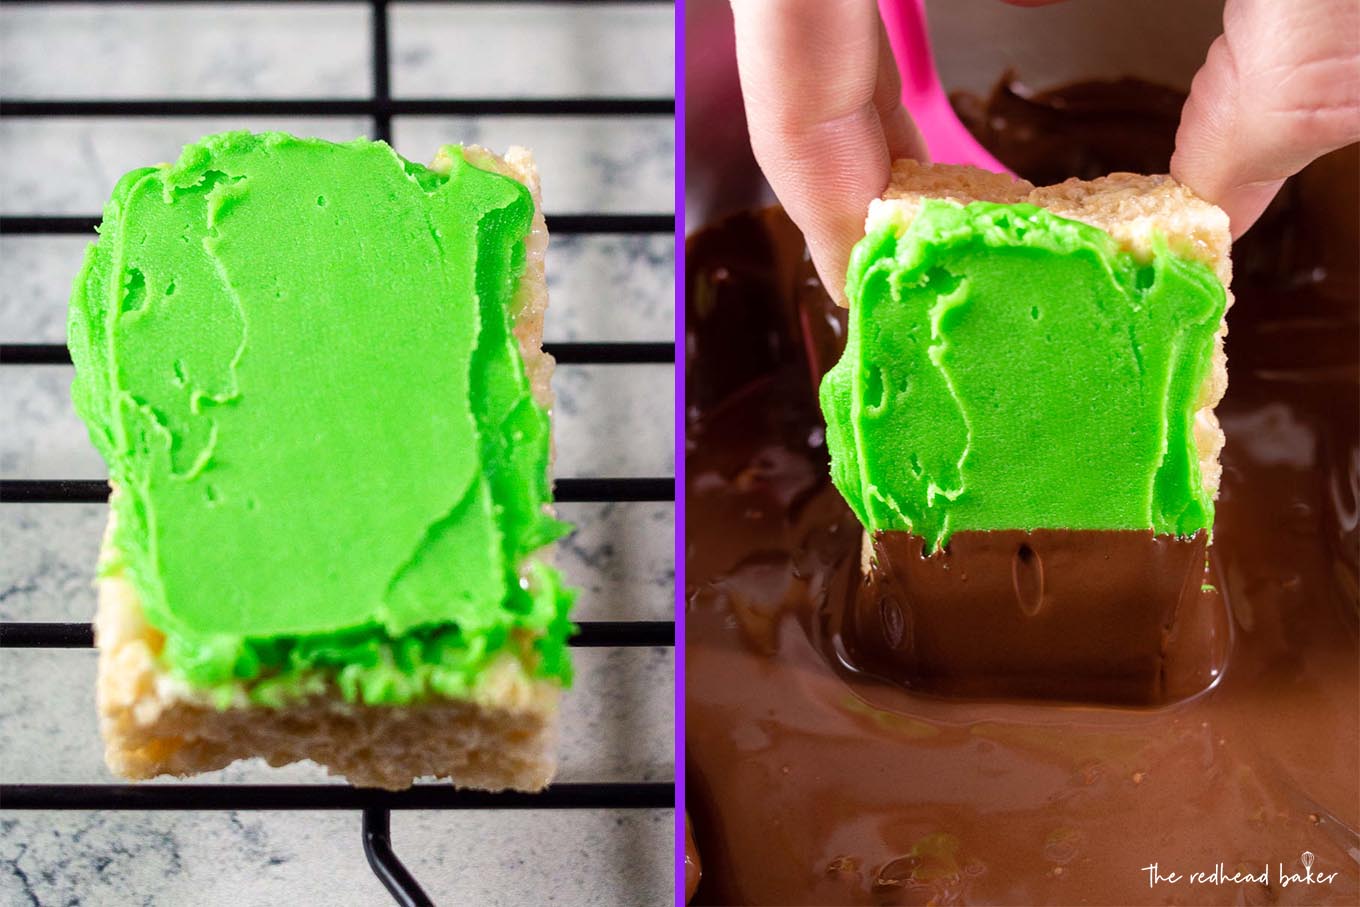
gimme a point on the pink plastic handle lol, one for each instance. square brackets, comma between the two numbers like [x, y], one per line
[947, 139]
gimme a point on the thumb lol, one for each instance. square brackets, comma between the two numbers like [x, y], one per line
[1279, 88]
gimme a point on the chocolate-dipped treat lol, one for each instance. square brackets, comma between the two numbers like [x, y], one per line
[1023, 419]
[815, 777]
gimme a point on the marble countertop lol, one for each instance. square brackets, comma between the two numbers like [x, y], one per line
[610, 421]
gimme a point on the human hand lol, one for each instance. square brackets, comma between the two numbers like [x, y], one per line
[1279, 88]
[823, 105]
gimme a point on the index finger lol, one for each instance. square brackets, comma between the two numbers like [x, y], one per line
[821, 95]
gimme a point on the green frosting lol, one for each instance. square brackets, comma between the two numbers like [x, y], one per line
[296, 357]
[1006, 368]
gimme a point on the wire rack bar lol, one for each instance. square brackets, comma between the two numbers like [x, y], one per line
[45, 635]
[562, 224]
[324, 107]
[594, 634]
[382, 74]
[377, 832]
[565, 491]
[566, 353]
[180, 797]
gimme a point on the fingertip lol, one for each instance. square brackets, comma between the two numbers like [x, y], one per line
[903, 137]
[830, 248]
[1207, 120]
[831, 266]
[1244, 205]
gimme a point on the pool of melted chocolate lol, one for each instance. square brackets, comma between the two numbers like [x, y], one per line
[810, 782]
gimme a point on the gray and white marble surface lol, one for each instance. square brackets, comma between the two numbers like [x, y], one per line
[611, 421]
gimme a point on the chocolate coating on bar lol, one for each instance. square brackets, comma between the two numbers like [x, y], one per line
[1051, 613]
[812, 784]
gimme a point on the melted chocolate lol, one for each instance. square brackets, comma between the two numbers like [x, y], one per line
[812, 784]
[1049, 614]
[1084, 130]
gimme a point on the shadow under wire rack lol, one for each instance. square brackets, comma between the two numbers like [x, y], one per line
[375, 806]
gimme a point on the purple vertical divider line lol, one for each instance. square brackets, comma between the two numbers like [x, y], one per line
[678, 653]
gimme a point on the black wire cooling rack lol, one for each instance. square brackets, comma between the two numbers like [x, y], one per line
[375, 806]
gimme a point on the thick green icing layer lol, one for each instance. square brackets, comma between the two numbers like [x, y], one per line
[1006, 368]
[296, 357]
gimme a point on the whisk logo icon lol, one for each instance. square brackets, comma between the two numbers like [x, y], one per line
[1307, 877]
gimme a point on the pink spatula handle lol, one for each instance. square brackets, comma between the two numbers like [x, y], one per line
[947, 139]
